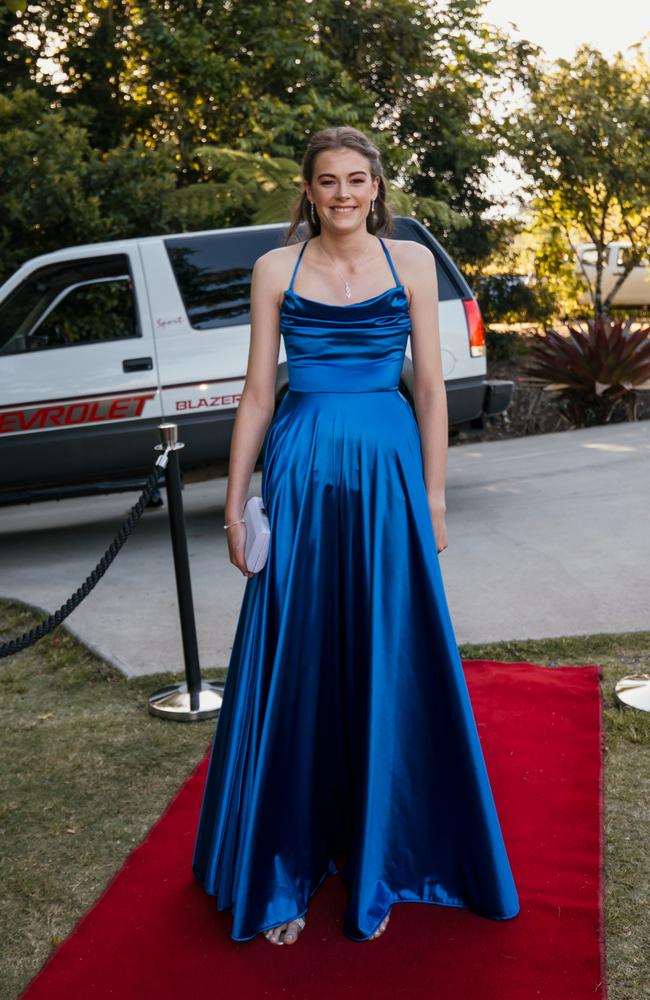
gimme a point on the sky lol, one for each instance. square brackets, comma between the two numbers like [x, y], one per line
[560, 26]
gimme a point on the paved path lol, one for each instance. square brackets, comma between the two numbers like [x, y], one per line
[548, 536]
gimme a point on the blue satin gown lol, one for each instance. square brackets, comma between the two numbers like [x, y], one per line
[346, 726]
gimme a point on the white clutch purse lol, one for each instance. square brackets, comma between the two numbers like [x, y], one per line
[258, 534]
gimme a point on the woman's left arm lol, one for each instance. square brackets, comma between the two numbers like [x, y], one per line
[429, 394]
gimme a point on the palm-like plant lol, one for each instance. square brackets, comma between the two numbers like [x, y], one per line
[593, 369]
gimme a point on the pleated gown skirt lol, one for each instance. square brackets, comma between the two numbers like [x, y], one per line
[346, 726]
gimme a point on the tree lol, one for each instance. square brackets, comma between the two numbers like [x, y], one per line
[420, 75]
[55, 189]
[585, 143]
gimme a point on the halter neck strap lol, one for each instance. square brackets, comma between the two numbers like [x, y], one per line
[390, 261]
[297, 263]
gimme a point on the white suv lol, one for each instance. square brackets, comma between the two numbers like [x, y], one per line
[635, 290]
[100, 343]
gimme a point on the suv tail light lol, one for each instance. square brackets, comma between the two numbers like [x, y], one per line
[475, 328]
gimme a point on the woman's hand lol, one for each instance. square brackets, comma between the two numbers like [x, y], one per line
[437, 510]
[236, 547]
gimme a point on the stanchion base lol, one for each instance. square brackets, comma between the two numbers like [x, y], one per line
[173, 702]
[633, 691]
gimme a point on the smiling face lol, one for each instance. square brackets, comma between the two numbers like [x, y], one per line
[342, 189]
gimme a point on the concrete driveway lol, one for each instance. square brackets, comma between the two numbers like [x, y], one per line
[548, 536]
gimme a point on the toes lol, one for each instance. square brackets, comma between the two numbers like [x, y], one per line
[292, 932]
[285, 933]
[382, 927]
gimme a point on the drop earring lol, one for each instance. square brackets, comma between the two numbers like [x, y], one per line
[313, 213]
[372, 207]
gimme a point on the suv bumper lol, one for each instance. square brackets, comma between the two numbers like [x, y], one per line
[467, 398]
[470, 399]
[498, 395]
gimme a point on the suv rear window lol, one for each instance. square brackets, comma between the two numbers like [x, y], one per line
[448, 288]
[213, 270]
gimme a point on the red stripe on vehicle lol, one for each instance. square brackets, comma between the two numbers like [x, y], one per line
[91, 411]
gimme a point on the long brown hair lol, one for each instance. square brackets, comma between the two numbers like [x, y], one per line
[341, 137]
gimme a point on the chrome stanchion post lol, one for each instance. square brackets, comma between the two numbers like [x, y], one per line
[196, 698]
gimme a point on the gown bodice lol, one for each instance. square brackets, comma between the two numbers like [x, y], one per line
[353, 348]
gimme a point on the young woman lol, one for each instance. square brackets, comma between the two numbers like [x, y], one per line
[346, 725]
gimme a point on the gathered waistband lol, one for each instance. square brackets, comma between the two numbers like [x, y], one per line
[344, 375]
[390, 388]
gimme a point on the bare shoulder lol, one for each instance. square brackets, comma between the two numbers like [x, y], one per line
[272, 270]
[409, 252]
[415, 264]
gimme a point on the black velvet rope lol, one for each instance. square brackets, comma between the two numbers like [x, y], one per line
[29, 638]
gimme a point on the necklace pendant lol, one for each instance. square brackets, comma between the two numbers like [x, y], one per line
[348, 293]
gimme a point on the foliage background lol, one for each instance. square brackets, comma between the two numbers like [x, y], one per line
[123, 118]
[127, 118]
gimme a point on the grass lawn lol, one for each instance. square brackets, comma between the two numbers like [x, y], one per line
[85, 771]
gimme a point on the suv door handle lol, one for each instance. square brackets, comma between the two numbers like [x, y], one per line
[137, 365]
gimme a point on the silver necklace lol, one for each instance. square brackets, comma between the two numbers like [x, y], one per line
[348, 290]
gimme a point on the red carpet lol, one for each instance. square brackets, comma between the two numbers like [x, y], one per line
[155, 933]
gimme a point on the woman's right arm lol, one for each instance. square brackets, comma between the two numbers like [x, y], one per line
[257, 401]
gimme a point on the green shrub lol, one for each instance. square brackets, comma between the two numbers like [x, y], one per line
[506, 345]
[512, 298]
[593, 370]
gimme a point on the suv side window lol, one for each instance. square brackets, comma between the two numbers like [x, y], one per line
[70, 303]
[624, 254]
[213, 273]
[589, 255]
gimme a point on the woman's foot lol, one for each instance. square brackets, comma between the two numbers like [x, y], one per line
[285, 933]
[382, 927]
